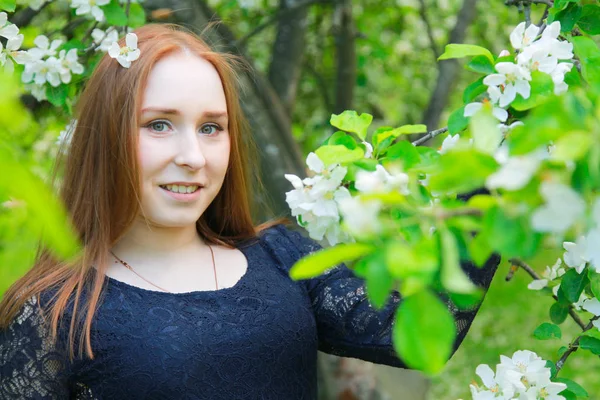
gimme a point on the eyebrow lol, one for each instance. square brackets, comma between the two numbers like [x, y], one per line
[205, 114]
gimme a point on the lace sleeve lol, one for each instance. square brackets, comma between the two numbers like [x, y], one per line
[348, 325]
[30, 365]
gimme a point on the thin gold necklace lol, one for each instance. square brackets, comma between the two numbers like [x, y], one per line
[164, 290]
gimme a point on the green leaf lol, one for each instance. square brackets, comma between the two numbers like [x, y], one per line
[594, 278]
[338, 154]
[567, 17]
[481, 64]
[318, 262]
[573, 387]
[137, 15]
[452, 276]
[509, 235]
[559, 312]
[114, 13]
[454, 50]
[405, 152]
[484, 130]
[589, 55]
[479, 249]
[590, 343]
[562, 350]
[46, 214]
[343, 139]
[589, 21]
[547, 331]
[405, 259]
[568, 395]
[561, 4]
[572, 147]
[8, 5]
[462, 171]
[542, 89]
[572, 285]
[457, 121]
[57, 95]
[378, 279]
[474, 90]
[350, 121]
[424, 340]
[411, 129]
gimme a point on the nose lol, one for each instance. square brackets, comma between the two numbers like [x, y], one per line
[190, 150]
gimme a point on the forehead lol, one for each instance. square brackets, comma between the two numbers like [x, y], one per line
[184, 82]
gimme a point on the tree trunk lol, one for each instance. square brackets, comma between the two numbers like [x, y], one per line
[345, 35]
[448, 69]
[288, 52]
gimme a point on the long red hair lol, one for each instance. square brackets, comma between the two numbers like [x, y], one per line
[100, 184]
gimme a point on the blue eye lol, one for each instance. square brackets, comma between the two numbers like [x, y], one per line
[215, 126]
[157, 123]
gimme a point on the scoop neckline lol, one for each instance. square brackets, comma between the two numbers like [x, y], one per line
[245, 249]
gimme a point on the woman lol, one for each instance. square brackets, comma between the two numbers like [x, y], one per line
[177, 294]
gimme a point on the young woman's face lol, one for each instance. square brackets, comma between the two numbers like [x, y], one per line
[183, 140]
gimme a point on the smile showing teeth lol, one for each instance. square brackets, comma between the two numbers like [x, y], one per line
[180, 188]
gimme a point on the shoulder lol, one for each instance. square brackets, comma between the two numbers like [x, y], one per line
[287, 244]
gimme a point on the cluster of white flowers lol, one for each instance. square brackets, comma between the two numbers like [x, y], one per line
[10, 54]
[104, 39]
[534, 54]
[315, 201]
[90, 7]
[320, 203]
[43, 66]
[522, 377]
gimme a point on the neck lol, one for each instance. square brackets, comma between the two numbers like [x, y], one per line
[155, 242]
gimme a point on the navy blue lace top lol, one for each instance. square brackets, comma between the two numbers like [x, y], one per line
[255, 340]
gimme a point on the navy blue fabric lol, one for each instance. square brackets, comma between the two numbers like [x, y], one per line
[255, 340]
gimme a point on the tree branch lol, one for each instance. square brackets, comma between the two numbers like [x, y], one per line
[345, 45]
[523, 2]
[573, 346]
[321, 83]
[429, 135]
[523, 265]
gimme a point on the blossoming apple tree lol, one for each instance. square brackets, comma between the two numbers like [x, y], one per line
[527, 133]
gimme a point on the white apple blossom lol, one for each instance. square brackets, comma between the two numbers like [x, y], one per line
[37, 91]
[504, 53]
[126, 54]
[591, 305]
[563, 207]
[314, 201]
[84, 7]
[516, 172]
[558, 77]
[576, 254]
[103, 40]
[448, 143]
[523, 36]
[43, 48]
[549, 274]
[7, 30]
[369, 150]
[381, 180]
[507, 128]
[12, 54]
[67, 63]
[361, 218]
[510, 79]
[494, 386]
[473, 108]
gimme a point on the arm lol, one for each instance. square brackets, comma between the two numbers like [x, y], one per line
[30, 365]
[347, 324]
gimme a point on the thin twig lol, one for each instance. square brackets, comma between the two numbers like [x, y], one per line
[429, 135]
[573, 346]
[527, 15]
[274, 18]
[523, 265]
[518, 2]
